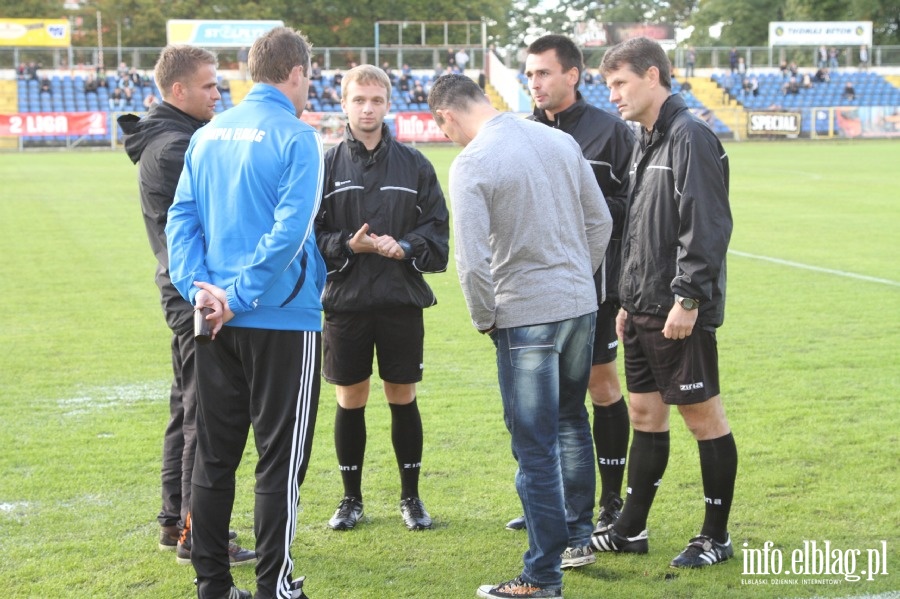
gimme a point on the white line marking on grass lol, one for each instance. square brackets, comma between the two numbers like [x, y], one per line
[830, 271]
[94, 399]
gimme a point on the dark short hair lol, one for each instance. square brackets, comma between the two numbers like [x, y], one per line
[454, 91]
[638, 54]
[567, 53]
[275, 54]
[179, 62]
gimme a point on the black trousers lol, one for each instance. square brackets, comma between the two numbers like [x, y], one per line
[180, 440]
[268, 379]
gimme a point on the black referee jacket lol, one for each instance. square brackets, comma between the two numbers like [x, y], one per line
[395, 190]
[679, 220]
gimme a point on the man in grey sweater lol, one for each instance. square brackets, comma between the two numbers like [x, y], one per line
[531, 228]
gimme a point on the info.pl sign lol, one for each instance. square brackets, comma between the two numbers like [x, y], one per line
[418, 127]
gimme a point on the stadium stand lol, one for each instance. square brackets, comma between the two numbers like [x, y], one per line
[706, 96]
[67, 95]
[871, 88]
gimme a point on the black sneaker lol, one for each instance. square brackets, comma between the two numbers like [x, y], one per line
[237, 555]
[297, 588]
[168, 537]
[415, 516]
[236, 593]
[348, 513]
[516, 524]
[609, 513]
[613, 541]
[518, 588]
[703, 551]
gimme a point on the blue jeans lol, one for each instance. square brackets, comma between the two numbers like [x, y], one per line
[543, 371]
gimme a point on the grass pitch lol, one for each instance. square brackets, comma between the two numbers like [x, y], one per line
[810, 373]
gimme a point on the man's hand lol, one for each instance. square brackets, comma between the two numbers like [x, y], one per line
[361, 242]
[620, 323]
[387, 246]
[213, 297]
[679, 323]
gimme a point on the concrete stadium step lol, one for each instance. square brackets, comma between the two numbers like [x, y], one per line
[496, 101]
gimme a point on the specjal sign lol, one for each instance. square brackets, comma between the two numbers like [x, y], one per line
[773, 123]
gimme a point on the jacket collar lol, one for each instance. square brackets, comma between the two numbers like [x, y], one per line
[358, 149]
[566, 119]
[672, 107]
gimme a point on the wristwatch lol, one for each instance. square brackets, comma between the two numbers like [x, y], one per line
[687, 303]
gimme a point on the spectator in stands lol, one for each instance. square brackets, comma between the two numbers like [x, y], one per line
[102, 82]
[849, 92]
[462, 59]
[793, 69]
[90, 84]
[822, 76]
[122, 71]
[741, 67]
[149, 101]
[863, 57]
[733, 60]
[404, 83]
[588, 77]
[438, 70]
[418, 94]
[806, 81]
[822, 56]
[127, 88]
[792, 86]
[135, 77]
[833, 54]
[690, 58]
[116, 99]
[313, 92]
[451, 58]
[32, 71]
[405, 70]
[224, 86]
[315, 71]
[784, 69]
[242, 56]
[338, 77]
[45, 86]
[21, 70]
[330, 96]
[754, 86]
[686, 87]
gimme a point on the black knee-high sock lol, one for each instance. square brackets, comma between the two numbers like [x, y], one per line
[406, 435]
[350, 446]
[611, 431]
[646, 466]
[718, 466]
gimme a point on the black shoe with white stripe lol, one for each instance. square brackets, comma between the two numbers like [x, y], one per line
[613, 541]
[703, 551]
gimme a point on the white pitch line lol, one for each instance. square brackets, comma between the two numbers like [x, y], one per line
[840, 273]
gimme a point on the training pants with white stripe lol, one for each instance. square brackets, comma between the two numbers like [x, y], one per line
[268, 379]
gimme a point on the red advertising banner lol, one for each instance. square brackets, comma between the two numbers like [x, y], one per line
[418, 127]
[69, 124]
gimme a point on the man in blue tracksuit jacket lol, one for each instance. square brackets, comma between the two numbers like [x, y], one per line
[240, 238]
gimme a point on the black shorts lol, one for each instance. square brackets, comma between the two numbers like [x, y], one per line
[606, 342]
[683, 371]
[351, 339]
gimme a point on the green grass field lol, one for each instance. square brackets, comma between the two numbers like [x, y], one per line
[810, 360]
